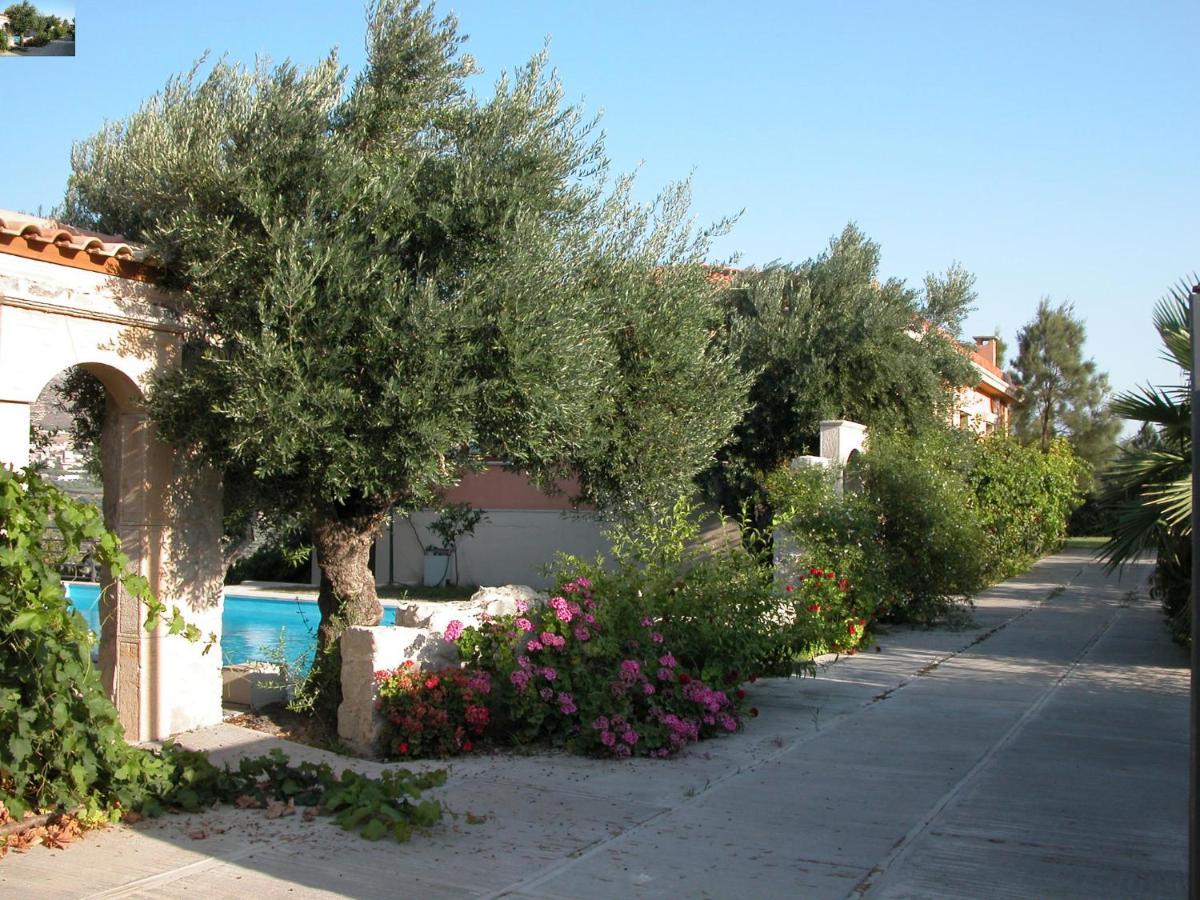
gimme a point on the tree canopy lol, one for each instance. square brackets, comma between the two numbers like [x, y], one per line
[1061, 393]
[387, 282]
[826, 339]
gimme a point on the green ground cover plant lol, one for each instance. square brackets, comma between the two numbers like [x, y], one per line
[62, 747]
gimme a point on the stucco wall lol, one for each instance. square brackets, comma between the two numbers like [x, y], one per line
[510, 547]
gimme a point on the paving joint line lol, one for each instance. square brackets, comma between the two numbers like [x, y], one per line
[714, 785]
[173, 875]
[903, 847]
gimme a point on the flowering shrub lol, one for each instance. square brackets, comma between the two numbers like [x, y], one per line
[436, 713]
[825, 617]
[583, 672]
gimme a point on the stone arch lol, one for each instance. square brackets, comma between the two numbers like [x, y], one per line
[76, 301]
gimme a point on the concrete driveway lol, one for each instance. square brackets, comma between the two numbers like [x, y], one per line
[58, 47]
[1041, 753]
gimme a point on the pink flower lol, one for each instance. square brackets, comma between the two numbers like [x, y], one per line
[566, 704]
[453, 630]
[601, 723]
[667, 660]
[557, 603]
[481, 681]
[546, 693]
[630, 670]
[522, 606]
[523, 662]
[549, 673]
[656, 637]
[533, 646]
[665, 674]
[584, 583]
[564, 614]
[581, 633]
[589, 618]
[647, 688]
[646, 622]
[607, 738]
[519, 678]
[524, 624]
[630, 737]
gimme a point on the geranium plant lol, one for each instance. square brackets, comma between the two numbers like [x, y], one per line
[588, 675]
[433, 713]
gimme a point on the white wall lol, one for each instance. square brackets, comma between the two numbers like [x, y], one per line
[509, 547]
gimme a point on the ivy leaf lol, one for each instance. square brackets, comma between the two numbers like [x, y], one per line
[29, 620]
[19, 747]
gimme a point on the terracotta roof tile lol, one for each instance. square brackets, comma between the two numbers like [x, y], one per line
[47, 231]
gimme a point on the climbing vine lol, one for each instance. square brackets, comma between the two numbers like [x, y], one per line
[62, 747]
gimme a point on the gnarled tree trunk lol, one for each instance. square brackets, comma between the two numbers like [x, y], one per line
[343, 541]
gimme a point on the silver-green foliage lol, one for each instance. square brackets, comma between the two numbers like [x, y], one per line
[389, 279]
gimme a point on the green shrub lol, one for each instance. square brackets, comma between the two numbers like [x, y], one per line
[596, 677]
[909, 541]
[939, 515]
[1025, 500]
[717, 607]
[827, 531]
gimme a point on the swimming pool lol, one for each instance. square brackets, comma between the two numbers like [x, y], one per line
[250, 626]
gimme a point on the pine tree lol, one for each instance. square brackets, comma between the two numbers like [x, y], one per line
[390, 283]
[1061, 393]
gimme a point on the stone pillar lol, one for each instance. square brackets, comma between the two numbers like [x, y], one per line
[169, 523]
[14, 434]
[840, 438]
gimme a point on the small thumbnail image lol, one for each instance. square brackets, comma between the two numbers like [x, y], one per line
[46, 28]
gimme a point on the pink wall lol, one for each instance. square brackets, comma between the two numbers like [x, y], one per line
[499, 488]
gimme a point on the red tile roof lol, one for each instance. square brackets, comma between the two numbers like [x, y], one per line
[51, 241]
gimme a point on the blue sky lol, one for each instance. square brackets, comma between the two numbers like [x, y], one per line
[1046, 146]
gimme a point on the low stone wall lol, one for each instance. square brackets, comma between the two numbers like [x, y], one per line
[416, 636]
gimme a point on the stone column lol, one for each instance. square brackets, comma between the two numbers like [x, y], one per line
[169, 523]
[14, 434]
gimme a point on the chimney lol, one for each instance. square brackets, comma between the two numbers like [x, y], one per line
[986, 347]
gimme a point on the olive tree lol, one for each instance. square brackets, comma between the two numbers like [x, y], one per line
[387, 280]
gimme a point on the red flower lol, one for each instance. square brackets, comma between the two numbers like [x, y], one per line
[788, 588]
[431, 682]
[753, 712]
[843, 584]
[851, 628]
[741, 695]
[685, 678]
[814, 608]
[402, 748]
[753, 678]
[467, 745]
[814, 571]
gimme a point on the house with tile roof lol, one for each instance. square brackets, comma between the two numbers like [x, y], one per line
[985, 406]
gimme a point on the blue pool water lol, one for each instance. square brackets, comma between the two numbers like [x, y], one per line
[250, 626]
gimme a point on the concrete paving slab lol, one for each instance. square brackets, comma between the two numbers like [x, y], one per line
[1040, 752]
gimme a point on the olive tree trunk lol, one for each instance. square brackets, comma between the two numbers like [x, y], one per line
[343, 544]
